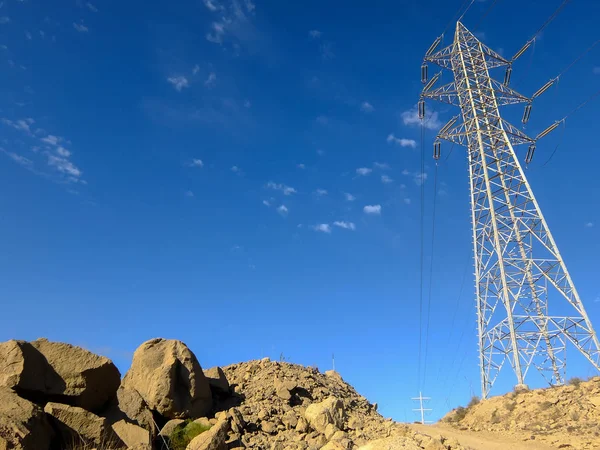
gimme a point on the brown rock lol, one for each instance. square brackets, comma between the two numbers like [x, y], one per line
[170, 379]
[205, 422]
[268, 427]
[23, 425]
[133, 435]
[330, 411]
[330, 430]
[169, 427]
[217, 380]
[129, 405]
[302, 426]
[46, 371]
[213, 439]
[76, 424]
[333, 445]
[290, 419]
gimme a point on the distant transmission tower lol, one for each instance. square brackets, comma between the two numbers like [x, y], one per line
[518, 268]
[421, 407]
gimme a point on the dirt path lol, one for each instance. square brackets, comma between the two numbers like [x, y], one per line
[480, 440]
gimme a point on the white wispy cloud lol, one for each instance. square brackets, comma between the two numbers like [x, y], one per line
[382, 166]
[322, 227]
[364, 171]
[91, 7]
[315, 34]
[326, 49]
[349, 197]
[247, 104]
[28, 36]
[282, 210]
[431, 121]
[402, 142]
[300, 166]
[589, 224]
[4, 20]
[386, 180]
[80, 27]
[17, 158]
[418, 177]
[196, 69]
[63, 152]
[189, 194]
[233, 21]
[236, 169]
[63, 165]
[287, 190]
[596, 70]
[345, 225]
[367, 107]
[266, 202]
[211, 80]
[51, 139]
[407, 201]
[179, 82]
[372, 209]
[196, 163]
[212, 5]
[21, 124]
[321, 192]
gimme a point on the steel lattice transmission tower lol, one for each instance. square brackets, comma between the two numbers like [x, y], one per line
[519, 273]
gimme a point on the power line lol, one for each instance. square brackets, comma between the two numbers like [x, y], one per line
[422, 251]
[456, 15]
[576, 60]
[435, 178]
[465, 11]
[485, 14]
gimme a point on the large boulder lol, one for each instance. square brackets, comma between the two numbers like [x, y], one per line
[213, 439]
[23, 424]
[130, 406]
[51, 371]
[170, 379]
[329, 411]
[76, 425]
[217, 380]
[132, 435]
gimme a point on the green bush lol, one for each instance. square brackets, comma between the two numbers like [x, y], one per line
[460, 413]
[575, 381]
[184, 433]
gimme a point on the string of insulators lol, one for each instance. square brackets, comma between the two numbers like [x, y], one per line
[507, 75]
[548, 130]
[437, 146]
[530, 152]
[544, 88]
[424, 73]
[448, 125]
[421, 109]
[434, 45]
[431, 82]
[523, 50]
[526, 114]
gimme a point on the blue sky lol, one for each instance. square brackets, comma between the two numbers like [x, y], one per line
[244, 176]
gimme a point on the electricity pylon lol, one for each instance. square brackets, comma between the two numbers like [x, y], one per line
[520, 276]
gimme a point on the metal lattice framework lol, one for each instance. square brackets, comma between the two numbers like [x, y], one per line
[518, 269]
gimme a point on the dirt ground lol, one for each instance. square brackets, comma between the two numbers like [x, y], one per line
[483, 440]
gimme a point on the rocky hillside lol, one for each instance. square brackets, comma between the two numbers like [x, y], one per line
[563, 416]
[55, 396]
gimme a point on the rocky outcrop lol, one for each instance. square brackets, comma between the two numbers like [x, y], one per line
[324, 414]
[50, 371]
[217, 380]
[170, 379]
[130, 406]
[23, 425]
[132, 435]
[76, 425]
[562, 415]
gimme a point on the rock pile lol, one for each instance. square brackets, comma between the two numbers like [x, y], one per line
[55, 396]
[561, 416]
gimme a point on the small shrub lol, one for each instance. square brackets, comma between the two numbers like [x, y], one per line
[510, 406]
[460, 413]
[495, 417]
[474, 400]
[184, 433]
[574, 415]
[575, 381]
[545, 405]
